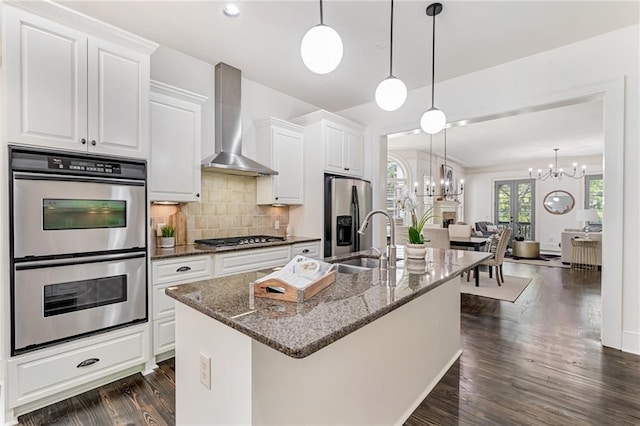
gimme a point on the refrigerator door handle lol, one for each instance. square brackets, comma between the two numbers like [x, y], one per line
[355, 205]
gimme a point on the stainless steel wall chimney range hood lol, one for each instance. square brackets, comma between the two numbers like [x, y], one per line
[228, 140]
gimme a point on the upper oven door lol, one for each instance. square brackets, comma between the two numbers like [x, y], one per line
[54, 215]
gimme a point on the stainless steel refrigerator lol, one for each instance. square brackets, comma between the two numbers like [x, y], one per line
[346, 202]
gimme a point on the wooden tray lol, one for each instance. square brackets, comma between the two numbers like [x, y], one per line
[276, 289]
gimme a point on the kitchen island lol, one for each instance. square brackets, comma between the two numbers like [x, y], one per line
[362, 351]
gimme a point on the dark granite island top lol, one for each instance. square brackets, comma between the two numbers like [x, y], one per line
[353, 301]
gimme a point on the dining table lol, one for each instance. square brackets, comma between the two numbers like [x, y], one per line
[476, 243]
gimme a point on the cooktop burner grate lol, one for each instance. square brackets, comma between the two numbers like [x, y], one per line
[239, 241]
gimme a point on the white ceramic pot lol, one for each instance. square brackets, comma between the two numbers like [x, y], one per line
[415, 251]
[167, 242]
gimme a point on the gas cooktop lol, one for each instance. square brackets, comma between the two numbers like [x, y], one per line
[239, 241]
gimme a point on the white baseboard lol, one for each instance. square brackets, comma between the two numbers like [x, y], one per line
[631, 342]
[428, 389]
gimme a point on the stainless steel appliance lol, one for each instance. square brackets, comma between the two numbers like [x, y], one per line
[78, 246]
[346, 202]
[239, 241]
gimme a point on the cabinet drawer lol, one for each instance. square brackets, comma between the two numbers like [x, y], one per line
[163, 305]
[250, 260]
[306, 249]
[164, 335]
[181, 269]
[34, 376]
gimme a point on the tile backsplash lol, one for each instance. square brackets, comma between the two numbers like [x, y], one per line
[227, 209]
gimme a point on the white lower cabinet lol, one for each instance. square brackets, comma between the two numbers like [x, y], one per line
[45, 373]
[238, 261]
[311, 249]
[166, 273]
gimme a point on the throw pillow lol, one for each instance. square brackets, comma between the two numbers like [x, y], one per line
[492, 228]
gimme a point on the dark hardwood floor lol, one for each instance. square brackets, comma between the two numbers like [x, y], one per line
[535, 361]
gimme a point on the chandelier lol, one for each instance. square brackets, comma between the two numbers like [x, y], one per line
[430, 184]
[449, 189]
[558, 173]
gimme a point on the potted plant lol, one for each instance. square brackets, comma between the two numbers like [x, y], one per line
[167, 240]
[416, 248]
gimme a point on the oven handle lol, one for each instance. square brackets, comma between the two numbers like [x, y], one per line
[67, 178]
[78, 260]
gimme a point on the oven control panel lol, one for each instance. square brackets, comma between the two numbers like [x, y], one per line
[61, 163]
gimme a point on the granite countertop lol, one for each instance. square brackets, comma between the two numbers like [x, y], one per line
[353, 301]
[196, 249]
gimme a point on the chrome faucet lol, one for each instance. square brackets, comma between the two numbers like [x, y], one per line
[391, 248]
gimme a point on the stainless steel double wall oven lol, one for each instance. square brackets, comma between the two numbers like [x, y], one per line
[78, 246]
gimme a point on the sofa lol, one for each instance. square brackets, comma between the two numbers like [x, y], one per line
[481, 229]
[565, 244]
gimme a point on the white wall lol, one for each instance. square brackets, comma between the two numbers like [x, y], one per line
[258, 102]
[606, 66]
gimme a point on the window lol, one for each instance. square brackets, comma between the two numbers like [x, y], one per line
[396, 182]
[594, 194]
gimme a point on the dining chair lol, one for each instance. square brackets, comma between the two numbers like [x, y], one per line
[438, 237]
[498, 256]
[460, 231]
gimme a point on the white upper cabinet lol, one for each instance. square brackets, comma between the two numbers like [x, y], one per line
[344, 149]
[281, 147]
[175, 144]
[342, 142]
[70, 90]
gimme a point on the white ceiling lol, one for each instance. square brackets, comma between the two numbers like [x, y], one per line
[470, 35]
[528, 137]
[265, 42]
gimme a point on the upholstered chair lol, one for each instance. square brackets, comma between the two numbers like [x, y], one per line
[460, 231]
[498, 257]
[438, 237]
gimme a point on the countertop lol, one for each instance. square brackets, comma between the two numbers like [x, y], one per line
[196, 249]
[353, 301]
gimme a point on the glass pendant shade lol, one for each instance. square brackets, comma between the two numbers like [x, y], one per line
[391, 93]
[321, 49]
[433, 121]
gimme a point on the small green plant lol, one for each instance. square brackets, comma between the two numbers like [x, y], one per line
[167, 231]
[415, 230]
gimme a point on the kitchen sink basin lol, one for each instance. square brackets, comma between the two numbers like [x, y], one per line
[351, 269]
[364, 262]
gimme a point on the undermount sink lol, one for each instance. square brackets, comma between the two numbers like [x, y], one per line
[354, 266]
[365, 262]
[351, 269]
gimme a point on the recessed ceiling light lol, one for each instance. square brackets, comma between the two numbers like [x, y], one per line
[230, 10]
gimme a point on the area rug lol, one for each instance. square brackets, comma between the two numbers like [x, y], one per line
[510, 290]
[548, 261]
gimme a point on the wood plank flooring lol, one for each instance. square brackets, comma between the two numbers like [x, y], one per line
[537, 361]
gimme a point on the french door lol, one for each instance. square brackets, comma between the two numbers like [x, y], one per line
[515, 206]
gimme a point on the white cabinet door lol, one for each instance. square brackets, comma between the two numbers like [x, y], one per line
[281, 147]
[46, 82]
[333, 148]
[354, 153]
[118, 98]
[175, 147]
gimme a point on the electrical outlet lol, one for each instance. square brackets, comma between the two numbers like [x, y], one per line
[205, 370]
[277, 224]
[159, 229]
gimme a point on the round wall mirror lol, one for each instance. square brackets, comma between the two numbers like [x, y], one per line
[558, 202]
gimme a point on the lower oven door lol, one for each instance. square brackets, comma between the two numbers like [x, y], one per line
[55, 301]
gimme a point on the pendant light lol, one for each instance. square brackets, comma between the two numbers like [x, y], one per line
[391, 92]
[321, 48]
[433, 120]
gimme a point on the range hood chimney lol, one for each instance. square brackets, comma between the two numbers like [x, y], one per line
[228, 140]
